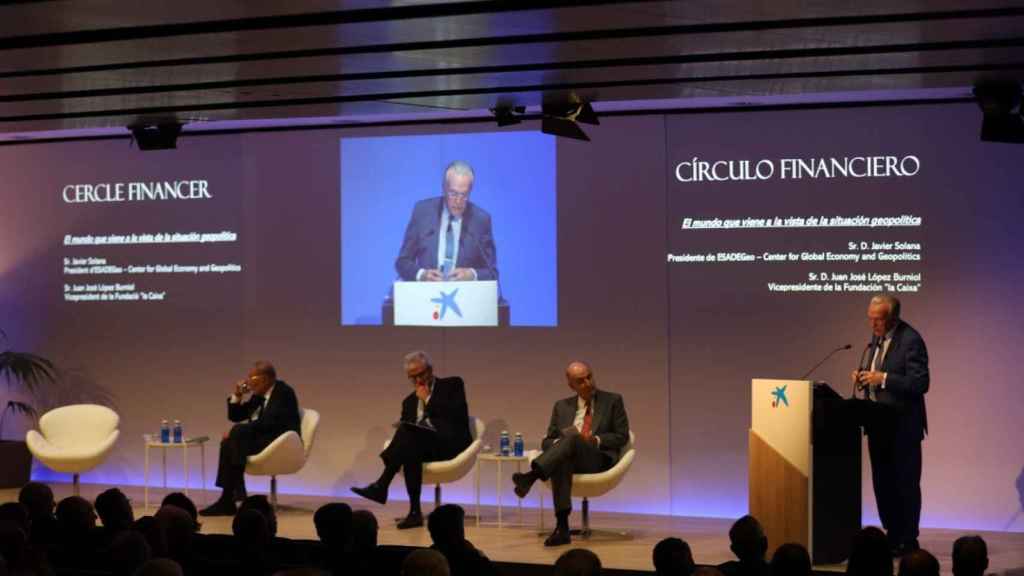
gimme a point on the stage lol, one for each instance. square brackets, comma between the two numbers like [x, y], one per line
[623, 541]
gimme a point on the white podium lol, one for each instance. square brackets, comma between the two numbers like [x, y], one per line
[446, 303]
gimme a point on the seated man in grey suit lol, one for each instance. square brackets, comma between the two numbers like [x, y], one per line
[586, 435]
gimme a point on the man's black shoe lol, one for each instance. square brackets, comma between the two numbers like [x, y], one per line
[558, 538]
[222, 507]
[372, 492]
[413, 520]
[523, 484]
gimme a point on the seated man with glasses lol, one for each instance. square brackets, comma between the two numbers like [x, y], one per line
[270, 411]
[434, 426]
[449, 237]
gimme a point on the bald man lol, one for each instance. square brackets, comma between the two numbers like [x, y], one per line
[895, 382]
[586, 435]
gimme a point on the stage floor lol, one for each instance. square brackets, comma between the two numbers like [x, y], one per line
[622, 541]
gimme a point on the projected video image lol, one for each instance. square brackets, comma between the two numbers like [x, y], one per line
[449, 230]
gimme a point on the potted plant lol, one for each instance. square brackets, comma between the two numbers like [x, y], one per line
[30, 371]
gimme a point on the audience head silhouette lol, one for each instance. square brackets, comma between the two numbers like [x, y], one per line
[919, 563]
[672, 556]
[446, 525]
[180, 500]
[870, 554]
[250, 527]
[334, 524]
[791, 560]
[75, 516]
[364, 530]
[425, 562]
[970, 556]
[38, 498]
[578, 562]
[747, 540]
[115, 510]
[128, 551]
[260, 504]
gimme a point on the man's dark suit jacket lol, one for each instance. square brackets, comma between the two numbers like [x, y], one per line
[907, 381]
[608, 422]
[447, 411]
[280, 415]
[422, 234]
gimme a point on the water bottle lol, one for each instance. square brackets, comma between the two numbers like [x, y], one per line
[177, 432]
[165, 432]
[504, 445]
[518, 446]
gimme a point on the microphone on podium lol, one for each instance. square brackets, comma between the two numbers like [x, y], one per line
[827, 356]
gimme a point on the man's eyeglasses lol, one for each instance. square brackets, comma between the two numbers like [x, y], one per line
[421, 375]
[457, 195]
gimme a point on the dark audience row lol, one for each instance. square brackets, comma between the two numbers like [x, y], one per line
[40, 537]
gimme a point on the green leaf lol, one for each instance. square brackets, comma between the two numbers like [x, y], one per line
[28, 369]
[21, 408]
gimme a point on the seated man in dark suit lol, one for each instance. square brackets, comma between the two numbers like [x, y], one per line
[271, 411]
[449, 237]
[434, 426]
[586, 435]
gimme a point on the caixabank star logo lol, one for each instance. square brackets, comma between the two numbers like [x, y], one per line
[779, 397]
[444, 302]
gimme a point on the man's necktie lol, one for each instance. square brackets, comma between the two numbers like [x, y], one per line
[260, 403]
[588, 419]
[449, 245]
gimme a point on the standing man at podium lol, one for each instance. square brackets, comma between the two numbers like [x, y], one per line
[434, 425]
[449, 237]
[586, 435]
[895, 379]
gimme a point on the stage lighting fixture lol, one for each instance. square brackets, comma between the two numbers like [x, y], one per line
[561, 118]
[1000, 103]
[562, 127]
[508, 115]
[163, 136]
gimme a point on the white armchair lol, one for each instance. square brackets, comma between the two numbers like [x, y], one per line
[588, 486]
[74, 438]
[287, 454]
[448, 471]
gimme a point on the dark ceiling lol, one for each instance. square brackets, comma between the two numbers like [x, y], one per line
[90, 64]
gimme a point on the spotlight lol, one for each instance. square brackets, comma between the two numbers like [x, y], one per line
[508, 115]
[1000, 103]
[162, 136]
[561, 118]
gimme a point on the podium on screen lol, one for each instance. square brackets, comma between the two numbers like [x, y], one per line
[446, 303]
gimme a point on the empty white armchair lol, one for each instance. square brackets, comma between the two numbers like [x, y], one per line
[287, 454]
[74, 439]
[588, 486]
[448, 471]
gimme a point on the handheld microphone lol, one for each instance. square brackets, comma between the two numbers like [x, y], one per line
[827, 356]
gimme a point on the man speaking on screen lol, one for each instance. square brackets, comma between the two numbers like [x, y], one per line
[449, 238]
